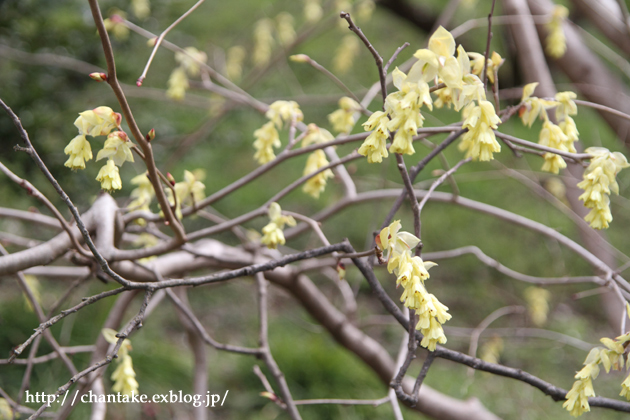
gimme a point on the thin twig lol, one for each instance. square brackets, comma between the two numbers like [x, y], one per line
[417, 223]
[394, 56]
[160, 38]
[439, 181]
[379, 60]
[487, 53]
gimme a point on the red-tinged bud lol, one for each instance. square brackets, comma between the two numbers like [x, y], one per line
[150, 135]
[269, 395]
[341, 270]
[139, 81]
[99, 77]
[170, 178]
[151, 42]
[167, 223]
[116, 18]
[378, 241]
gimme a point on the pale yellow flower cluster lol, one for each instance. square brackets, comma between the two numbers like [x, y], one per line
[124, 376]
[267, 136]
[234, 62]
[342, 119]
[479, 141]
[491, 350]
[284, 28]
[117, 149]
[272, 232]
[494, 62]
[143, 194]
[313, 11]
[115, 25]
[611, 356]
[411, 273]
[141, 8]
[316, 160]
[188, 192]
[402, 108]
[599, 181]
[556, 42]
[189, 65]
[537, 304]
[557, 136]
[346, 53]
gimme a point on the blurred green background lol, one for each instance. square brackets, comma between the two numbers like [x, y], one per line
[48, 98]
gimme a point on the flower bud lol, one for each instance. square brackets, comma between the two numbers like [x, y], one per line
[170, 178]
[150, 135]
[300, 58]
[99, 77]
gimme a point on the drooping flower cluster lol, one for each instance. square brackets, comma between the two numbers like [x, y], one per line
[143, 194]
[411, 274]
[267, 136]
[346, 53]
[479, 141]
[187, 192]
[234, 62]
[494, 62]
[342, 119]
[599, 181]
[402, 108]
[124, 376]
[316, 160]
[611, 356]
[556, 42]
[117, 148]
[559, 136]
[537, 304]
[189, 65]
[272, 232]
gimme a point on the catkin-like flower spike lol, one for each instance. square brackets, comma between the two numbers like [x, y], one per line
[316, 135]
[479, 142]
[537, 304]
[375, 145]
[267, 138]
[552, 136]
[533, 107]
[599, 181]
[143, 194]
[79, 151]
[313, 11]
[263, 42]
[177, 84]
[117, 148]
[556, 42]
[346, 53]
[316, 184]
[234, 62]
[494, 62]
[284, 28]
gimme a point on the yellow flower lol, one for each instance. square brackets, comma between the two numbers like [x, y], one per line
[109, 177]
[342, 119]
[234, 62]
[117, 148]
[286, 111]
[625, 388]
[98, 121]
[263, 41]
[556, 42]
[346, 53]
[480, 142]
[491, 351]
[142, 194]
[189, 60]
[316, 135]
[124, 377]
[537, 304]
[177, 84]
[79, 151]
[272, 232]
[312, 11]
[141, 8]
[599, 180]
[433, 335]
[284, 28]
[394, 242]
[266, 139]
[552, 136]
[494, 62]
[191, 190]
[566, 105]
[6, 413]
[374, 146]
[115, 25]
[316, 184]
[577, 398]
